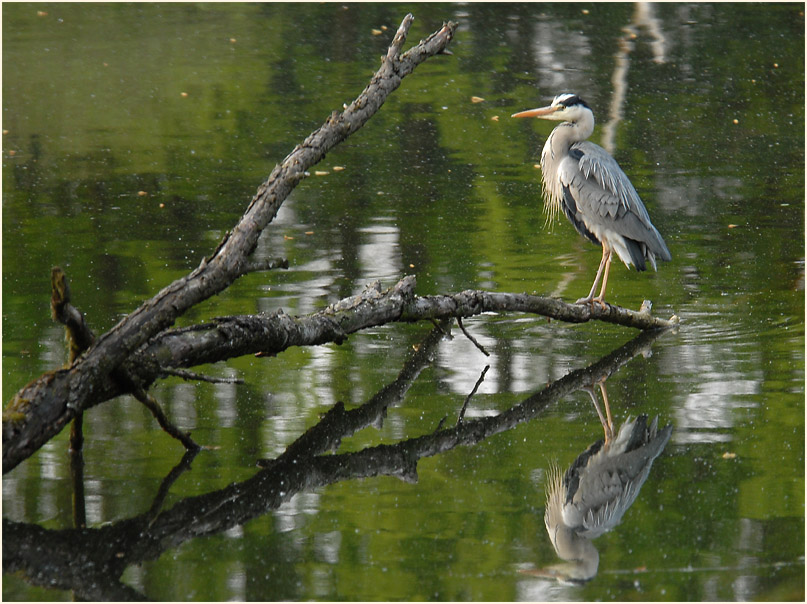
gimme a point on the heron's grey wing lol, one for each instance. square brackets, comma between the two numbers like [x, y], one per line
[604, 198]
[608, 484]
[601, 499]
[595, 162]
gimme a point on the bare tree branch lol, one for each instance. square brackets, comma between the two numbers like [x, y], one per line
[471, 338]
[271, 334]
[80, 337]
[41, 409]
[266, 264]
[192, 376]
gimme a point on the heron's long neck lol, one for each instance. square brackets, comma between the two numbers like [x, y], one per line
[555, 149]
[568, 133]
[583, 558]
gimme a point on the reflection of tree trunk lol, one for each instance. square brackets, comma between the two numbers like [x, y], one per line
[643, 16]
[90, 561]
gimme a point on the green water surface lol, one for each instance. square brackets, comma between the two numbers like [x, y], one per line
[134, 136]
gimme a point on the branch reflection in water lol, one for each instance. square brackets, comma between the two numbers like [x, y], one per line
[90, 561]
[597, 490]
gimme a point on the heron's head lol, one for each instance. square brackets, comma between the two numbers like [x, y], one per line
[565, 107]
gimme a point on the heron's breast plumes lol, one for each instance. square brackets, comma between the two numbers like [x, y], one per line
[551, 186]
[555, 498]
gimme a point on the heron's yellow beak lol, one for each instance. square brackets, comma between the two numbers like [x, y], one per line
[542, 112]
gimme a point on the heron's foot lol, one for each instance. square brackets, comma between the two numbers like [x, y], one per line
[591, 301]
[603, 304]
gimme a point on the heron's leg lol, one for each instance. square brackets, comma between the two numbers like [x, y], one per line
[606, 253]
[605, 428]
[609, 419]
[599, 298]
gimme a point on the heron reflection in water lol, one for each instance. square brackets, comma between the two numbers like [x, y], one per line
[582, 179]
[594, 493]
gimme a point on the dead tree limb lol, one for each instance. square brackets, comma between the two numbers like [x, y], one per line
[474, 302]
[79, 338]
[271, 334]
[41, 409]
[192, 376]
[78, 334]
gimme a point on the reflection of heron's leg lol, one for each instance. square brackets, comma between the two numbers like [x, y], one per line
[604, 279]
[607, 412]
[606, 254]
[606, 428]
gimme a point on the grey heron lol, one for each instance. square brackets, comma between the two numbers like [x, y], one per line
[586, 183]
[591, 497]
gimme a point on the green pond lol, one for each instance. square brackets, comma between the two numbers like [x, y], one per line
[134, 137]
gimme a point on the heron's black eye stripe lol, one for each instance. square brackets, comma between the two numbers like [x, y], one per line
[572, 101]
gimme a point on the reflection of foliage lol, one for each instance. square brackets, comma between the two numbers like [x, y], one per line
[91, 561]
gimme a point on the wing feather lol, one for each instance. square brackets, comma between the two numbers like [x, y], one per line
[604, 482]
[604, 199]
